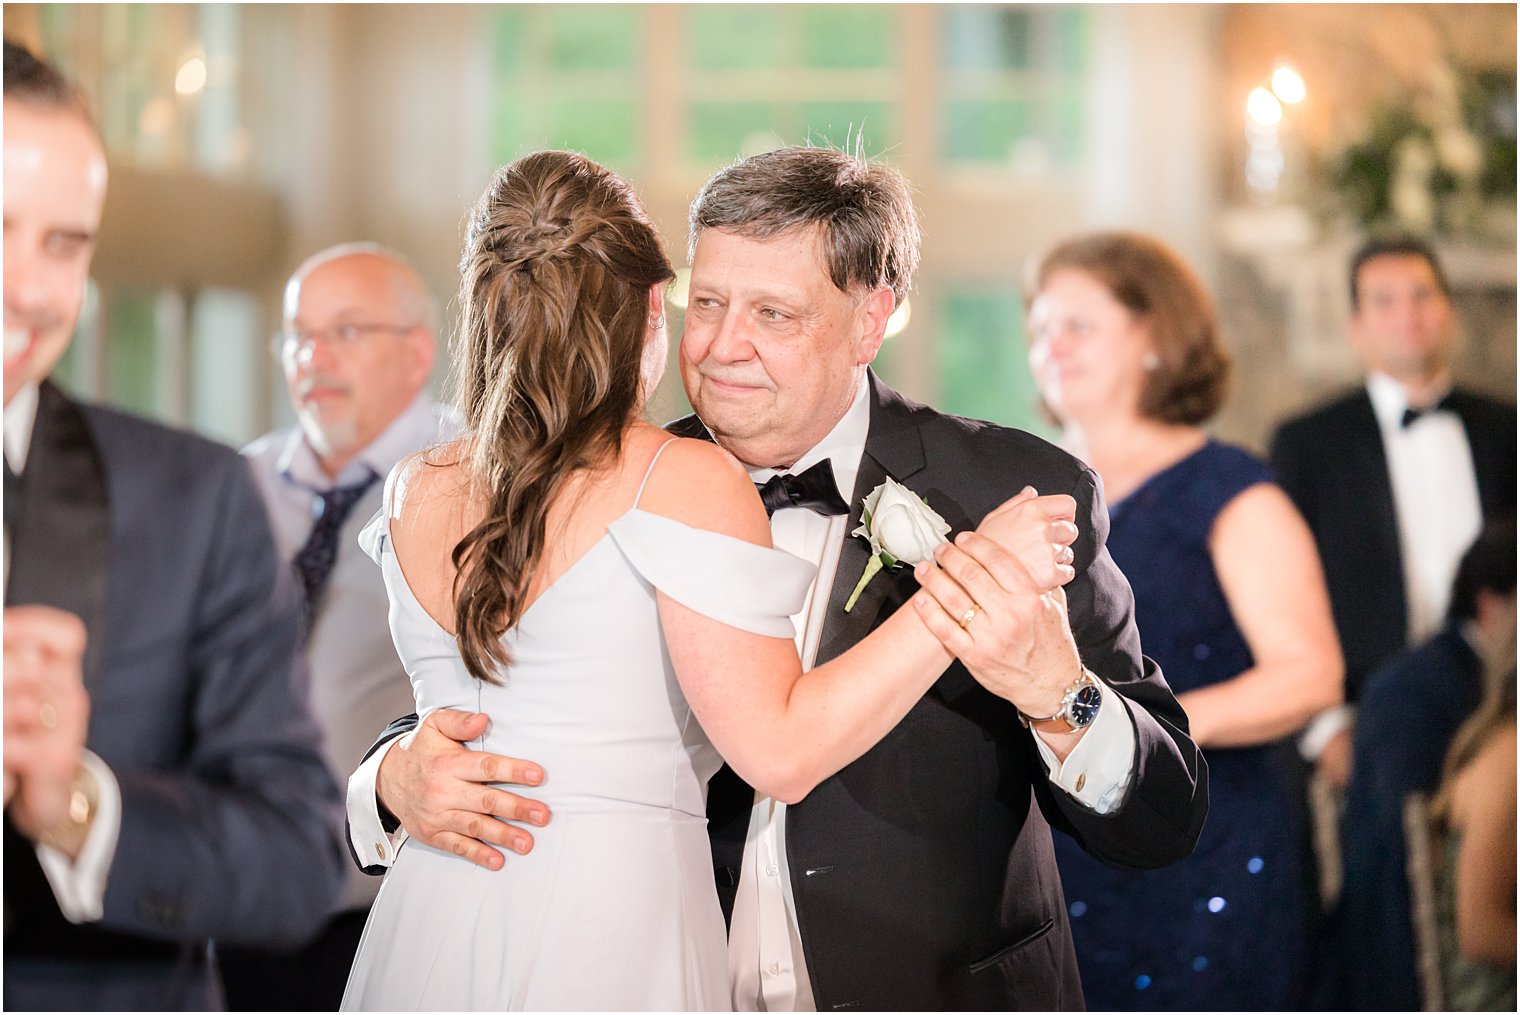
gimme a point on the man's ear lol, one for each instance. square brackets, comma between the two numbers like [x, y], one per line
[425, 352]
[871, 321]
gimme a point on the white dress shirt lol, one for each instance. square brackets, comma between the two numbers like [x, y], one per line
[357, 682]
[79, 885]
[1435, 496]
[765, 959]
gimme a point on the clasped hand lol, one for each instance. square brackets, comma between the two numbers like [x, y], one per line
[1016, 642]
[994, 598]
[46, 714]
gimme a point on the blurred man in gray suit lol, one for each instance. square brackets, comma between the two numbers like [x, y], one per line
[143, 588]
[357, 348]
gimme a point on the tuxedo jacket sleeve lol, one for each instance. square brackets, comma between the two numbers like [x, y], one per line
[230, 818]
[1163, 810]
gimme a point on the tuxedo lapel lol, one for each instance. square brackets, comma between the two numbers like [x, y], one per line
[1371, 486]
[894, 448]
[61, 549]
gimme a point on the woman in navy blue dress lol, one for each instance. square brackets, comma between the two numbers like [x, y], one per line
[1230, 601]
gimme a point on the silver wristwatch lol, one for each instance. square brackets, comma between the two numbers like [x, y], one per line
[1079, 707]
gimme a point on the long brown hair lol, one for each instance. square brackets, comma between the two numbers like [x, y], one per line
[554, 296]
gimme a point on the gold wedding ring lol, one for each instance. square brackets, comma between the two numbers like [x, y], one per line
[969, 614]
[48, 715]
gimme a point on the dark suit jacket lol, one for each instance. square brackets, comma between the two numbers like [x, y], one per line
[1331, 462]
[159, 541]
[1409, 716]
[923, 873]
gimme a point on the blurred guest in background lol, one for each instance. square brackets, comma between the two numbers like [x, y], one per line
[201, 808]
[1475, 871]
[357, 349]
[1230, 601]
[1396, 477]
[1410, 710]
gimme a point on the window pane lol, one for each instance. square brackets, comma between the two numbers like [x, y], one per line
[1071, 42]
[983, 369]
[984, 130]
[131, 378]
[840, 123]
[593, 37]
[603, 130]
[848, 36]
[985, 38]
[737, 37]
[724, 130]
[512, 132]
[227, 355]
[509, 41]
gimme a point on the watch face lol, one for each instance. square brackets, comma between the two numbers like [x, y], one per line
[1084, 706]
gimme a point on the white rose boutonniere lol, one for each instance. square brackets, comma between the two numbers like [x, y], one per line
[901, 527]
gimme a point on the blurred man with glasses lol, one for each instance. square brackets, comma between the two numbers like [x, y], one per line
[357, 349]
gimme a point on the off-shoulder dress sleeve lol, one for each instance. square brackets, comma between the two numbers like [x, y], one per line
[753, 588]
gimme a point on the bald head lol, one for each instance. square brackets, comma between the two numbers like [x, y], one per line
[359, 346]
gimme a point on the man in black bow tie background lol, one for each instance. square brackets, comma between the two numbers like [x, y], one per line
[142, 587]
[1396, 477]
[922, 875]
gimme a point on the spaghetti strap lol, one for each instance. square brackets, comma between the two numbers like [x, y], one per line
[650, 471]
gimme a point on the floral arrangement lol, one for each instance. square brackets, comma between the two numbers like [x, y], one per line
[1442, 161]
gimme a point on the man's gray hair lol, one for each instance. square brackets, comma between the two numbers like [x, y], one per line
[869, 228]
[416, 300]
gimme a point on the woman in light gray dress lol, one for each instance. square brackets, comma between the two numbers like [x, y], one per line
[610, 597]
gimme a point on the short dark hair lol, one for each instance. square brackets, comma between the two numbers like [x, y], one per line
[1155, 284]
[865, 209]
[1401, 245]
[34, 81]
[1487, 566]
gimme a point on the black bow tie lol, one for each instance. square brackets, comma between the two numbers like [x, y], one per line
[814, 489]
[1412, 414]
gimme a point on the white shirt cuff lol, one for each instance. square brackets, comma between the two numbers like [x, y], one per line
[373, 845]
[79, 885]
[1097, 771]
[1324, 728]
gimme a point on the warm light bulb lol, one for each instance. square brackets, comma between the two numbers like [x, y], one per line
[1263, 108]
[191, 77]
[1288, 85]
[899, 319]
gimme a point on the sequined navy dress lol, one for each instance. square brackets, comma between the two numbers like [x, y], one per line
[1225, 929]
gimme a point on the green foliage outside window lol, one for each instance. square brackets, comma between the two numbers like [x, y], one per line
[982, 360]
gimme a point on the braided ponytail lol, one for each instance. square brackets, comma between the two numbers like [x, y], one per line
[555, 274]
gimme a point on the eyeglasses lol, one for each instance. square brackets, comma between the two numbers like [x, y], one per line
[339, 336]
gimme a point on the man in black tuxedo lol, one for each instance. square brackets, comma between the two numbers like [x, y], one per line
[141, 587]
[922, 875]
[1396, 477]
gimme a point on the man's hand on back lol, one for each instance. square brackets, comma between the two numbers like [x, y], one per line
[439, 790]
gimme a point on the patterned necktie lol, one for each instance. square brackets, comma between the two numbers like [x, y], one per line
[814, 489]
[314, 563]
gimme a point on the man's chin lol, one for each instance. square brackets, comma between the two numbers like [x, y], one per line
[326, 437]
